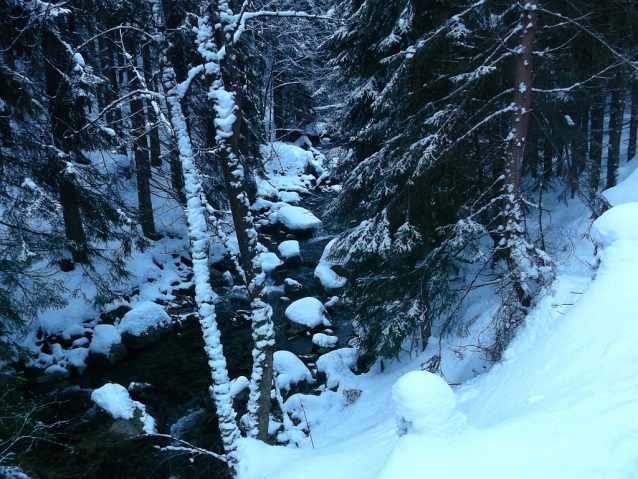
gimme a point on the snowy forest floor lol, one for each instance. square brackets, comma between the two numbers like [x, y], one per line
[561, 404]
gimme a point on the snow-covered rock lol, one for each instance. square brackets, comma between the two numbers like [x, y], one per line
[143, 317]
[142, 325]
[294, 289]
[268, 262]
[289, 249]
[308, 312]
[324, 273]
[115, 400]
[338, 365]
[325, 341]
[290, 370]
[106, 348]
[297, 219]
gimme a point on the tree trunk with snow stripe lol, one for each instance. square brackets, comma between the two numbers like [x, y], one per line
[227, 104]
[199, 239]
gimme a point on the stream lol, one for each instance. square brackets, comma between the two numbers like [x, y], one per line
[173, 377]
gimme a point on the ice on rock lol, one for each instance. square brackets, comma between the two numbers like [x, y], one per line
[289, 249]
[425, 404]
[268, 262]
[104, 337]
[145, 316]
[290, 369]
[295, 218]
[115, 400]
[307, 312]
[325, 341]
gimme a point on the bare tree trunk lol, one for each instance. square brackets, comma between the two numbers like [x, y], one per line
[513, 214]
[616, 115]
[153, 134]
[596, 145]
[60, 121]
[141, 151]
[633, 123]
[226, 92]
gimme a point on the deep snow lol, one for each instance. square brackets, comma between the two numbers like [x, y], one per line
[562, 403]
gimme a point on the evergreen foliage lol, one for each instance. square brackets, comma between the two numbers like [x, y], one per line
[426, 125]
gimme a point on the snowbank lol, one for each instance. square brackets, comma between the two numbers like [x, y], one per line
[338, 365]
[290, 370]
[561, 405]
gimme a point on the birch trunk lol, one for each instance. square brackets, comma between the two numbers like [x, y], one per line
[199, 239]
[220, 68]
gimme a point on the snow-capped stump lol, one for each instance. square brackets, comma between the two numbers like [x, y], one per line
[268, 262]
[106, 348]
[426, 405]
[298, 220]
[306, 313]
[338, 365]
[328, 279]
[323, 341]
[289, 251]
[142, 325]
[290, 370]
[130, 416]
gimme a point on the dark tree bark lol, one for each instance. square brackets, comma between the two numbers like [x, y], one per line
[633, 124]
[60, 122]
[615, 129]
[596, 145]
[153, 134]
[141, 152]
[513, 214]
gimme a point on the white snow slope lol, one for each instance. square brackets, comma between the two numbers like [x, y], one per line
[562, 404]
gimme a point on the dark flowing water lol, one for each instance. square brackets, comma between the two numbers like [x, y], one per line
[177, 375]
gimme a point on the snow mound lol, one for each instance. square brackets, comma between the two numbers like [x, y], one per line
[104, 336]
[338, 365]
[289, 249]
[618, 224]
[290, 369]
[115, 400]
[145, 316]
[328, 278]
[268, 262]
[296, 218]
[307, 312]
[325, 341]
[425, 404]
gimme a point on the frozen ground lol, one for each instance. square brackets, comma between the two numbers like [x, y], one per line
[562, 404]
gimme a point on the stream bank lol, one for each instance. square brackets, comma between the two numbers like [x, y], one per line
[171, 378]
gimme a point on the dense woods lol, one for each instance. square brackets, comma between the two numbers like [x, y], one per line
[444, 123]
